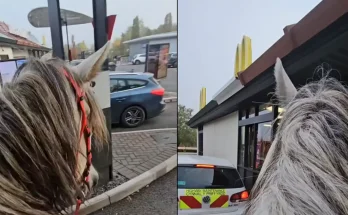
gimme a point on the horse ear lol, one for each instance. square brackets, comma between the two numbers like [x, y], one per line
[46, 56]
[89, 68]
[285, 89]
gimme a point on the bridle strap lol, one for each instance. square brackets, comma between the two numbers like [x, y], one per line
[84, 132]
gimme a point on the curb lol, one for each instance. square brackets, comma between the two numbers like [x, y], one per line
[147, 130]
[170, 99]
[118, 193]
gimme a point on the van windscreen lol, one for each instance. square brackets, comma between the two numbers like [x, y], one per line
[190, 177]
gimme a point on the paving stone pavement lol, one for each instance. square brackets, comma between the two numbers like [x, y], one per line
[137, 152]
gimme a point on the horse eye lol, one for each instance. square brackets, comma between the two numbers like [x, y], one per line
[92, 83]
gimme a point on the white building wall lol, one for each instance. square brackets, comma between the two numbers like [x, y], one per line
[6, 51]
[220, 138]
[20, 53]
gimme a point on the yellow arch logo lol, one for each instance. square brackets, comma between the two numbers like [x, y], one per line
[202, 100]
[243, 56]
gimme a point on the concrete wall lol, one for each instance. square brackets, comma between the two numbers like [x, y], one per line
[6, 51]
[140, 47]
[220, 138]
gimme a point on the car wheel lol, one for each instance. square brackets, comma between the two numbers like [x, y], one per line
[137, 62]
[133, 116]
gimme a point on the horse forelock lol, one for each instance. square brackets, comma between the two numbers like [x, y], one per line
[306, 169]
[39, 139]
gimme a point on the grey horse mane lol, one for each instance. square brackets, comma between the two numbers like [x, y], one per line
[306, 169]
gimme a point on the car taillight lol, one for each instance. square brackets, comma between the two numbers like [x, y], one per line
[205, 166]
[239, 197]
[158, 92]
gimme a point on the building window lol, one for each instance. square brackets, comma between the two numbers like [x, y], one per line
[243, 114]
[252, 112]
[265, 108]
[251, 146]
[264, 141]
[255, 134]
[4, 57]
[241, 146]
[200, 140]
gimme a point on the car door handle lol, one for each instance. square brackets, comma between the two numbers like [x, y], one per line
[120, 99]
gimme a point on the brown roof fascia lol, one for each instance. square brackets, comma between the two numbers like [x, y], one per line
[324, 14]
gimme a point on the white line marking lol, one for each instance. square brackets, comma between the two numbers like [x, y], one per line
[156, 129]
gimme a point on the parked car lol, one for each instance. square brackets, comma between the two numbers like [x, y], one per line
[135, 97]
[209, 185]
[173, 60]
[111, 65]
[138, 59]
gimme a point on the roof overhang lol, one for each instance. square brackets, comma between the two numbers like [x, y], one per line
[6, 39]
[168, 35]
[21, 47]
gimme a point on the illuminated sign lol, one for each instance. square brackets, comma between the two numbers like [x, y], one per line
[202, 101]
[243, 56]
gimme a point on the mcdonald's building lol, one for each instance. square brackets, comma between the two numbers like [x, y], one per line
[239, 123]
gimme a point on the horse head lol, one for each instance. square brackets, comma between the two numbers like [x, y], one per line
[47, 116]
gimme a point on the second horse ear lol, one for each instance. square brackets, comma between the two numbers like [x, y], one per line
[89, 68]
[285, 89]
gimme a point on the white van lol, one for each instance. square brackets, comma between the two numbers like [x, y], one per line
[209, 185]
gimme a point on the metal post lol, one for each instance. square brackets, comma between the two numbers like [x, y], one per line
[67, 39]
[56, 28]
[147, 57]
[102, 159]
[100, 26]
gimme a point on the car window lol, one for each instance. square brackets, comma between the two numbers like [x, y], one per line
[136, 83]
[122, 85]
[113, 85]
[154, 81]
[202, 178]
[175, 55]
[142, 55]
[117, 85]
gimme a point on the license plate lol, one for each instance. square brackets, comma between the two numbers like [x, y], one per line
[197, 198]
[204, 192]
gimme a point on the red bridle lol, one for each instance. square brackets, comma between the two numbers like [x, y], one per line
[85, 130]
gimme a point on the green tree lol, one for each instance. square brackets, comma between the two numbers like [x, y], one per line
[186, 136]
[168, 23]
[136, 28]
[144, 30]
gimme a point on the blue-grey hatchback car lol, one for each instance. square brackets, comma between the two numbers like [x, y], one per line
[135, 97]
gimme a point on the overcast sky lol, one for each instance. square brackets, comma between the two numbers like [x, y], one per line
[209, 31]
[15, 12]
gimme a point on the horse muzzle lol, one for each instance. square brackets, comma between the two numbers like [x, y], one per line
[93, 177]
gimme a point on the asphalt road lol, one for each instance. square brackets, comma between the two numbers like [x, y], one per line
[159, 198]
[167, 119]
[170, 83]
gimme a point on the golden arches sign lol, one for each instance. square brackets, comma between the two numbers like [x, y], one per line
[243, 56]
[202, 99]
